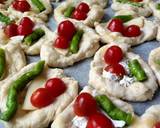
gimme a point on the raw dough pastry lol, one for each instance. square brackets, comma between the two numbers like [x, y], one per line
[33, 12]
[142, 11]
[148, 32]
[154, 62]
[88, 46]
[15, 59]
[5, 4]
[39, 118]
[156, 12]
[64, 120]
[148, 119]
[94, 15]
[134, 91]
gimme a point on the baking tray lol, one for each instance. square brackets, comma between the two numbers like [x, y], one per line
[80, 70]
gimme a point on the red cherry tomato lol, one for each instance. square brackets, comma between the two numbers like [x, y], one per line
[116, 69]
[24, 30]
[83, 7]
[66, 29]
[99, 120]
[116, 25]
[21, 5]
[26, 21]
[113, 55]
[56, 86]
[132, 31]
[61, 42]
[157, 125]
[11, 30]
[137, 0]
[41, 98]
[79, 15]
[85, 105]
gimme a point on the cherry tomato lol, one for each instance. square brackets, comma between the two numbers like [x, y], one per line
[116, 69]
[79, 15]
[11, 30]
[116, 25]
[83, 7]
[66, 29]
[41, 98]
[99, 120]
[85, 105]
[132, 31]
[56, 86]
[157, 125]
[21, 5]
[61, 42]
[113, 55]
[24, 30]
[26, 21]
[137, 0]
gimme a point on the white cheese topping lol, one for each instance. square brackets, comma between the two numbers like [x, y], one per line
[110, 75]
[126, 81]
[17, 38]
[79, 122]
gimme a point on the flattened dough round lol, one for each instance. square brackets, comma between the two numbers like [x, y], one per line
[148, 32]
[142, 11]
[94, 15]
[64, 120]
[137, 91]
[40, 117]
[88, 46]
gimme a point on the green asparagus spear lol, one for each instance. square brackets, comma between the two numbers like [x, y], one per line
[115, 113]
[18, 85]
[74, 46]
[69, 11]
[131, 3]
[158, 6]
[2, 62]
[39, 5]
[36, 35]
[136, 70]
[124, 18]
[5, 19]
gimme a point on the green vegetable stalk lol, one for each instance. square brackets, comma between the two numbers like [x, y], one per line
[18, 85]
[2, 62]
[136, 70]
[74, 46]
[5, 19]
[39, 5]
[124, 18]
[115, 113]
[158, 6]
[36, 35]
[69, 11]
[131, 3]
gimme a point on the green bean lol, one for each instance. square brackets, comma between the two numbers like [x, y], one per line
[69, 11]
[5, 19]
[36, 35]
[2, 62]
[74, 46]
[124, 18]
[131, 3]
[136, 70]
[158, 6]
[115, 113]
[39, 5]
[16, 86]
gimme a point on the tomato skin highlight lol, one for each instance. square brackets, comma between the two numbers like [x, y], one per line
[132, 31]
[79, 15]
[116, 69]
[66, 29]
[116, 25]
[26, 21]
[85, 105]
[157, 125]
[41, 98]
[11, 30]
[99, 120]
[83, 7]
[21, 5]
[113, 55]
[56, 86]
[61, 43]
